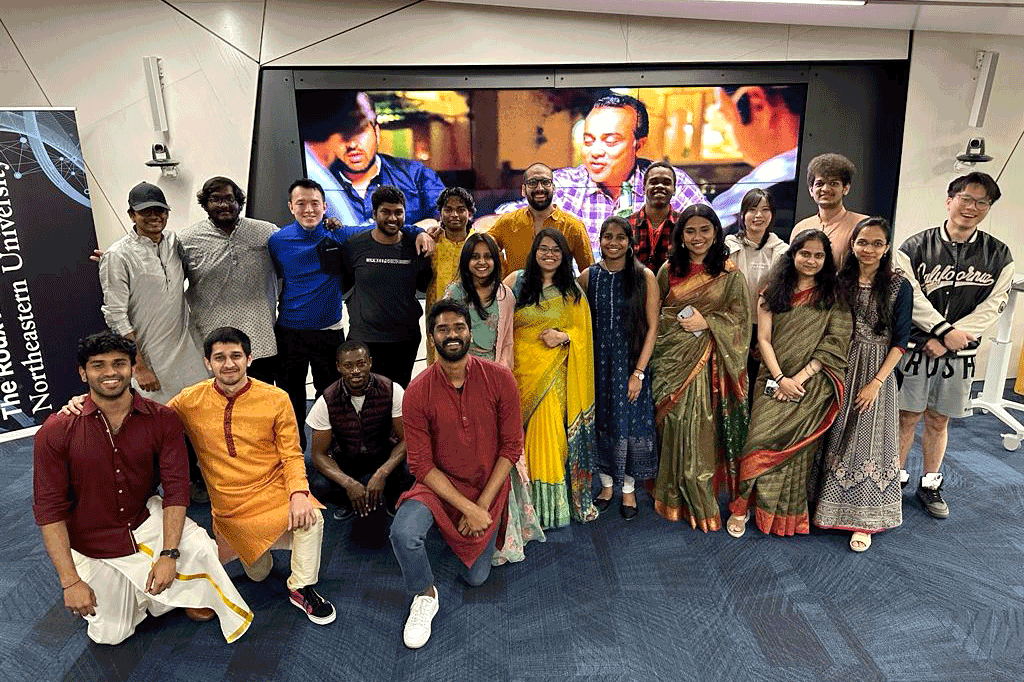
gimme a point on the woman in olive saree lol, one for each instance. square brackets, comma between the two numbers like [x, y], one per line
[554, 368]
[699, 370]
[804, 333]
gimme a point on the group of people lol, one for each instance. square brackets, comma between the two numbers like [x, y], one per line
[692, 361]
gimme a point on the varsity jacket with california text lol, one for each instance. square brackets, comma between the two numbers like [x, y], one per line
[956, 285]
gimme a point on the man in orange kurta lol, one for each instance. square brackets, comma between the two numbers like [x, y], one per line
[247, 443]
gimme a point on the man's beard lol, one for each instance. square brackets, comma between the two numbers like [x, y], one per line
[349, 170]
[540, 207]
[452, 356]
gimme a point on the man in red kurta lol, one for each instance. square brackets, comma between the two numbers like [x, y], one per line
[464, 433]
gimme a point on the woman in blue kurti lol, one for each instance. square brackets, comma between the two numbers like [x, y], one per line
[624, 306]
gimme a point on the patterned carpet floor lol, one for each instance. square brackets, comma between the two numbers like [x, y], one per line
[930, 601]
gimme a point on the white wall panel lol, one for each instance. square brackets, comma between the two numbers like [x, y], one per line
[686, 40]
[239, 23]
[17, 86]
[808, 43]
[294, 24]
[438, 34]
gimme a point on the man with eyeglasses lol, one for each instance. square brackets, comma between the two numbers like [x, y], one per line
[610, 179]
[829, 177]
[514, 232]
[231, 279]
[961, 278]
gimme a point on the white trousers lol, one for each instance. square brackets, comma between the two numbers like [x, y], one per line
[628, 483]
[120, 583]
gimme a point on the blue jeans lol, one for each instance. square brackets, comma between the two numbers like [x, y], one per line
[409, 530]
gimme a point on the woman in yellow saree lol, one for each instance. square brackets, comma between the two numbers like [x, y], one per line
[699, 368]
[804, 332]
[554, 368]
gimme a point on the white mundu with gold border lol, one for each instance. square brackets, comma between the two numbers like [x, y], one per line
[120, 583]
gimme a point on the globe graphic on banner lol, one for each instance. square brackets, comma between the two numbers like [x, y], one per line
[46, 142]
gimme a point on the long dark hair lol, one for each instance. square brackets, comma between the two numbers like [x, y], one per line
[714, 259]
[466, 276]
[533, 279]
[849, 276]
[634, 289]
[749, 202]
[778, 295]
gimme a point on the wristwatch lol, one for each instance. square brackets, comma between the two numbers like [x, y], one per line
[173, 553]
[639, 374]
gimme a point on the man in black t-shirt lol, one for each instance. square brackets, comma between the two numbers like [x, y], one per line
[383, 272]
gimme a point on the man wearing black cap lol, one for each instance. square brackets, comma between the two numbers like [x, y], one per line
[144, 300]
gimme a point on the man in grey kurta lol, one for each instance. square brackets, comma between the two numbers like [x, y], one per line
[231, 279]
[144, 299]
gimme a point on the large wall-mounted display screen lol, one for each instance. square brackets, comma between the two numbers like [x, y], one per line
[722, 141]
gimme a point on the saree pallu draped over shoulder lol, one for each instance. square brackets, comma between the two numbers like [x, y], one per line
[700, 394]
[785, 437]
[556, 387]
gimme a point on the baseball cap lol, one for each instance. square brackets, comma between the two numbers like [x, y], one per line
[145, 195]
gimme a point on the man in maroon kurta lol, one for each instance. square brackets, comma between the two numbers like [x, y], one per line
[463, 431]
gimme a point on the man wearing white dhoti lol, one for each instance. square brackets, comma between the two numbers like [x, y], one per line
[119, 549]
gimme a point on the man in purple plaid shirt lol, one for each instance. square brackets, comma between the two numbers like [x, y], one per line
[610, 181]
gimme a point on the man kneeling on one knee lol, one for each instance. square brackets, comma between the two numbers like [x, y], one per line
[359, 439]
[247, 443]
[120, 550]
[464, 433]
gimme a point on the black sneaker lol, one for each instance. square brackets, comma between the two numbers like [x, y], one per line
[317, 609]
[933, 503]
[342, 513]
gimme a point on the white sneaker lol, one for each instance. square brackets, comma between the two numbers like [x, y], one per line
[417, 626]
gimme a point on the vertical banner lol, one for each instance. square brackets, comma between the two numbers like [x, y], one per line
[49, 291]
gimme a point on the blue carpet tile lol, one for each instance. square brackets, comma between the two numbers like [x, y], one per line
[609, 601]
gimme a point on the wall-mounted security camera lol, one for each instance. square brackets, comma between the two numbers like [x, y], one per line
[975, 152]
[162, 160]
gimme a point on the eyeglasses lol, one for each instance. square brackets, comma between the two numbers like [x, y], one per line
[228, 200]
[549, 249]
[539, 182]
[968, 201]
[865, 244]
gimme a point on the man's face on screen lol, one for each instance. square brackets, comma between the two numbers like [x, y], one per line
[357, 150]
[609, 144]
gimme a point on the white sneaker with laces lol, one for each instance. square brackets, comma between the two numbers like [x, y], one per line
[417, 626]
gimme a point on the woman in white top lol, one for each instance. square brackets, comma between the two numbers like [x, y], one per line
[754, 249]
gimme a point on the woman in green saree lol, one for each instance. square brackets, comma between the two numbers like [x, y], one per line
[699, 369]
[803, 331]
[554, 368]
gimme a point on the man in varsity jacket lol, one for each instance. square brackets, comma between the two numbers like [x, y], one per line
[961, 278]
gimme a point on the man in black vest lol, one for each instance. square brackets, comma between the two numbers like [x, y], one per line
[359, 440]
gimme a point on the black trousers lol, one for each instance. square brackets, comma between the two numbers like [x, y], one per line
[368, 531]
[395, 359]
[297, 351]
[264, 369]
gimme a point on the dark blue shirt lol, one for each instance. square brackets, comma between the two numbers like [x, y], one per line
[420, 185]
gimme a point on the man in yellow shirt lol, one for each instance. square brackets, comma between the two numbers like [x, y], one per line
[515, 231]
[245, 435]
